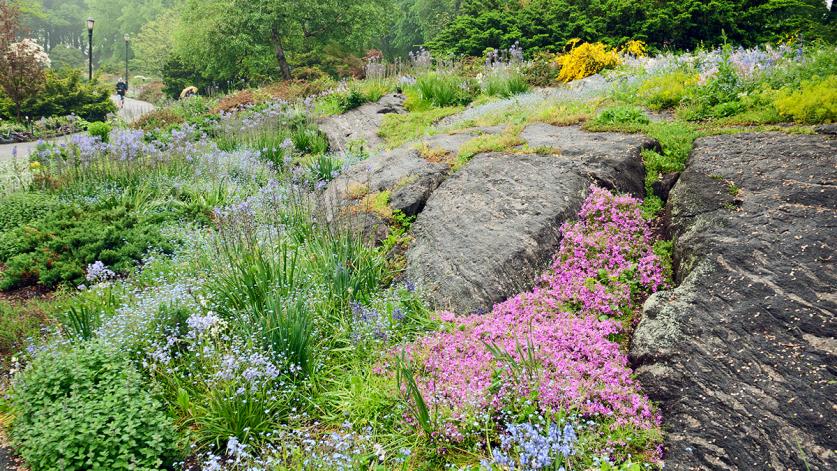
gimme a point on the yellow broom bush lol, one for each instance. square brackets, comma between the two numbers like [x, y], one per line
[634, 48]
[585, 60]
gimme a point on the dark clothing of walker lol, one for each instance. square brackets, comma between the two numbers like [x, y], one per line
[121, 89]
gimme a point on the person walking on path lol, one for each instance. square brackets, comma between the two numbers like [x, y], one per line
[121, 90]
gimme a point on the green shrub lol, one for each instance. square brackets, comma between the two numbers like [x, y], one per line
[87, 408]
[350, 100]
[65, 92]
[719, 97]
[309, 74]
[814, 102]
[542, 70]
[17, 209]
[684, 24]
[626, 117]
[56, 250]
[666, 91]
[340, 102]
[100, 129]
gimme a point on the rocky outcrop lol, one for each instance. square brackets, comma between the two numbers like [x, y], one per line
[402, 172]
[405, 173]
[610, 158]
[742, 355]
[491, 227]
[361, 124]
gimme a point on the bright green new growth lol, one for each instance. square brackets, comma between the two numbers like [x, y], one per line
[99, 129]
[87, 407]
[398, 129]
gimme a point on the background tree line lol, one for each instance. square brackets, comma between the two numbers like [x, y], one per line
[232, 42]
[677, 24]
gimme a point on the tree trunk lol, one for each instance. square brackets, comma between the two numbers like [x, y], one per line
[280, 55]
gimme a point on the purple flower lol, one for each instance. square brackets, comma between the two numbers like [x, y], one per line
[97, 272]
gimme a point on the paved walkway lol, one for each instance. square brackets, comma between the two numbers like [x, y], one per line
[131, 112]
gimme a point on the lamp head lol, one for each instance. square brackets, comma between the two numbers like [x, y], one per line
[90, 22]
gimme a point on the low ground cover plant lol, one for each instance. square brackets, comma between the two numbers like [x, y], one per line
[86, 407]
[547, 362]
[55, 248]
[398, 129]
[746, 86]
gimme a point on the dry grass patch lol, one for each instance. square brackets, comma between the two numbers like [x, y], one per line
[435, 154]
[375, 203]
[357, 190]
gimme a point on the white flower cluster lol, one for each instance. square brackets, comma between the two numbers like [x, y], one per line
[29, 47]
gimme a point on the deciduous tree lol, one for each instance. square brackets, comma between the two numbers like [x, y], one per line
[22, 63]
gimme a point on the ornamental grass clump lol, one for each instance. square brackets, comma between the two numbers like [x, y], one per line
[553, 352]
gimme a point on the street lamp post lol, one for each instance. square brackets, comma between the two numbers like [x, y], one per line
[126, 59]
[90, 22]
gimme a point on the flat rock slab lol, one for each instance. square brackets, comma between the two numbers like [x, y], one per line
[601, 152]
[491, 228]
[452, 142]
[742, 355]
[361, 123]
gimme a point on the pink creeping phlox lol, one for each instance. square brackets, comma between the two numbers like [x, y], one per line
[604, 269]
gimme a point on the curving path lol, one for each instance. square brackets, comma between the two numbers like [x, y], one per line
[132, 111]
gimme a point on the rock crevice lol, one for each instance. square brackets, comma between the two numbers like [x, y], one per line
[741, 354]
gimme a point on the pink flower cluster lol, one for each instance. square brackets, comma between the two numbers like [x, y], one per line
[604, 269]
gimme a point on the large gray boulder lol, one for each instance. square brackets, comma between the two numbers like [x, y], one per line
[608, 157]
[742, 354]
[404, 172]
[361, 124]
[490, 228]
[409, 179]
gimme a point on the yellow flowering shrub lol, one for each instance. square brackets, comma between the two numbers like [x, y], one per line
[634, 48]
[812, 103]
[585, 60]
